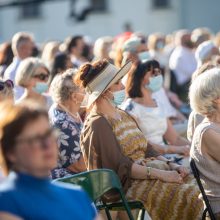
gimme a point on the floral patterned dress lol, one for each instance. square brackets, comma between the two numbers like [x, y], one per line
[68, 141]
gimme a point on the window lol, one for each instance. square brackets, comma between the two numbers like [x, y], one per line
[99, 5]
[30, 11]
[160, 4]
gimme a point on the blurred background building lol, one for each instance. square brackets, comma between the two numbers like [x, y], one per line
[56, 19]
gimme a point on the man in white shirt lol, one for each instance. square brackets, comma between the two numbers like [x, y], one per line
[22, 47]
[182, 62]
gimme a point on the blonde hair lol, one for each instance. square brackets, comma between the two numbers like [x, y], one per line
[27, 69]
[100, 45]
[204, 90]
[50, 50]
[153, 39]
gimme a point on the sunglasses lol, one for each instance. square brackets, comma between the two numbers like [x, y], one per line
[8, 83]
[42, 76]
[42, 141]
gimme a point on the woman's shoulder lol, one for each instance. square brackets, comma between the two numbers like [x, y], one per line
[95, 120]
[56, 114]
[128, 105]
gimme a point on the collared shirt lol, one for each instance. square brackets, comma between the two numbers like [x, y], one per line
[10, 73]
[183, 63]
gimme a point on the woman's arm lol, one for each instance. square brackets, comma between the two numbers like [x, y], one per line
[170, 149]
[172, 137]
[78, 166]
[143, 172]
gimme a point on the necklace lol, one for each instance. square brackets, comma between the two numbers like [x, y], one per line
[74, 115]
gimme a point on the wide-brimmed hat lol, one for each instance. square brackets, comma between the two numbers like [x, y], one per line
[108, 76]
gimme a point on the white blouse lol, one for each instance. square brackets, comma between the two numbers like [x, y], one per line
[151, 120]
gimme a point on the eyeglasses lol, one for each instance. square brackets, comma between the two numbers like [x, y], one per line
[43, 141]
[8, 83]
[42, 76]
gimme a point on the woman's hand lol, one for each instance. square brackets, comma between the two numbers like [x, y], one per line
[184, 150]
[171, 176]
[183, 171]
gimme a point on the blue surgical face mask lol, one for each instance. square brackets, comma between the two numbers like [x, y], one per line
[144, 56]
[119, 97]
[40, 87]
[155, 83]
[160, 45]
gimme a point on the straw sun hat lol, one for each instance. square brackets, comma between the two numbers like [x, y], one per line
[108, 76]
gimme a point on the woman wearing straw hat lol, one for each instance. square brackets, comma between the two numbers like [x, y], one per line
[111, 139]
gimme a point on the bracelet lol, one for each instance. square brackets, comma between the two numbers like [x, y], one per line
[148, 172]
[168, 162]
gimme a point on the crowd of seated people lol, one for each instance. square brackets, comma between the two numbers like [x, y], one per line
[121, 106]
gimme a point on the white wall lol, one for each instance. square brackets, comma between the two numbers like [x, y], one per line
[56, 24]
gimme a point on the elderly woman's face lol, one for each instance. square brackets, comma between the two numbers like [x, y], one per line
[36, 148]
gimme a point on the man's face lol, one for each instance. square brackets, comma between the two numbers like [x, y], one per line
[27, 48]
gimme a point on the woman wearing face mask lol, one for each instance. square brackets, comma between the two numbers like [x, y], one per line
[64, 115]
[144, 79]
[111, 139]
[33, 75]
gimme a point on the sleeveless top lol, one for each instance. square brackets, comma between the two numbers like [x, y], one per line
[208, 167]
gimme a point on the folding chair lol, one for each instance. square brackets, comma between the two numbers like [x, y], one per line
[97, 183]
[205, 198]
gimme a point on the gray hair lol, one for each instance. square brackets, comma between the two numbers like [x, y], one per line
[99, 45]
[27, 69]
[19, 39]
[204, 90]
[63, 86]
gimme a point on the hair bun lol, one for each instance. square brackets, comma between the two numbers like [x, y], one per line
[87, 72]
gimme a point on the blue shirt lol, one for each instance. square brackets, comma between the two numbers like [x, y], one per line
[68, 141]
[33, 198]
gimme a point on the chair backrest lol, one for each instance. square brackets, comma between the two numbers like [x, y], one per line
[95, 182]
[197, 177]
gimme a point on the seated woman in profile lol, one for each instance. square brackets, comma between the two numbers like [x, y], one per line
[64, 116]
[205, 100]
[28, 153]
[111, 139]
[144, 79]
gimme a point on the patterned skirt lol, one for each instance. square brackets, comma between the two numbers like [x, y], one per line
[168, 201]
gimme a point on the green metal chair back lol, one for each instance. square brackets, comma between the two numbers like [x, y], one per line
[97, 183]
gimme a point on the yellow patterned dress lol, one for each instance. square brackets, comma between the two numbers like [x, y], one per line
[163, 201]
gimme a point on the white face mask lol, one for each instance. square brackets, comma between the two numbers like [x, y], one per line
[84, 103]
[40, 87]
[144, 56]
[119, 97]
[155, 83]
